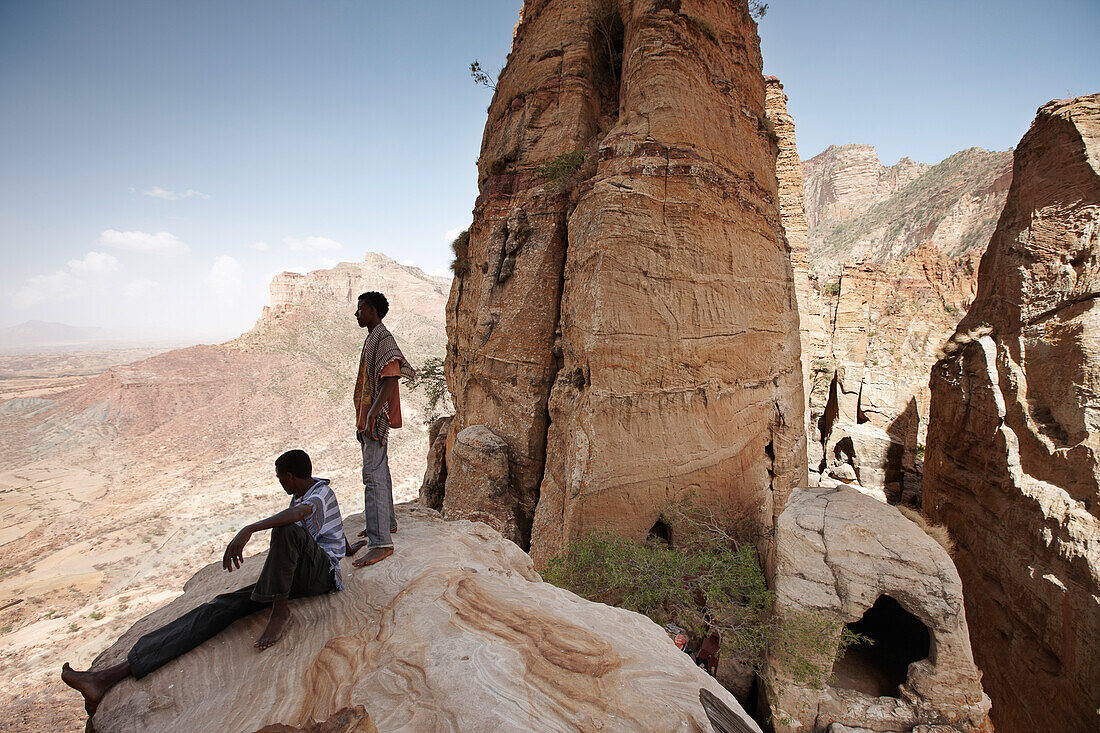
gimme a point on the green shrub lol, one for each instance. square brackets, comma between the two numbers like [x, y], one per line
[833, 288]
[561, 167]
[709, 580]
[431, 378]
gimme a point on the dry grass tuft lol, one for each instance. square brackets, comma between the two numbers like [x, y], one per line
[936, 531]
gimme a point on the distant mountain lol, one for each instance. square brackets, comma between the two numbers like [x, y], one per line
[860, 210]
[43, 333]
[46, 336]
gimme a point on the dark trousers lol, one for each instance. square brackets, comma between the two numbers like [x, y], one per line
[295, 568]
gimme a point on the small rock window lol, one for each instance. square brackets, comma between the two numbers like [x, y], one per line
[898, 638]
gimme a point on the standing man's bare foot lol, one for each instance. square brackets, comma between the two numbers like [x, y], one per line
[276, 625]
[375, 554]
[362, 534]
[351, 549]
[94, 685]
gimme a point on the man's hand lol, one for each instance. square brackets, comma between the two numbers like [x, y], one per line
[234, 551]
[372, 415]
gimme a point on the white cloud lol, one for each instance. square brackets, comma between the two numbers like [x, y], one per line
[161, 193]
[161, 243]
[40, 288]
[94, 263]
[142, 289]
[452, 233]
[226, 277]
[260, 246]
[311, 243]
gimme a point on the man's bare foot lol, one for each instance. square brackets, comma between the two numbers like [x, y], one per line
[362, 534]
[393, 529]
[375, 554]
[276, 625]
[352, 549]
[94, 685]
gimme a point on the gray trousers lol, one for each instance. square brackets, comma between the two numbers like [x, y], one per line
[295, 568]
[377, 492]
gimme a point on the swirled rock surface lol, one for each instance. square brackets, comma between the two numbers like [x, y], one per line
[624, 316]
[1013, 460]
[454, 632]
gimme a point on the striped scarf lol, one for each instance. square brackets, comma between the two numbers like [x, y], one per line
[379, 349]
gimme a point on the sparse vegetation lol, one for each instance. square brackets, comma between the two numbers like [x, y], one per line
[430, 377]
[936, 531]
[95, 615]
[50, 613]
[460, 265]
[919, 450]
[950, 309]
[72, 627]
[5, 629]
[709, 580]
[481, 77]
[561, 167]
[832, 288]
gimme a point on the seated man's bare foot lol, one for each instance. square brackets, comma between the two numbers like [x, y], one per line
[92, 685]
[276, 625]
[352, 549]
[375, 554]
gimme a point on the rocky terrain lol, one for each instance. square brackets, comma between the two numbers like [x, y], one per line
[113, 492]
[1013, 461]
[885, 265]
[603, 323]
[845, 554]
[456, 632]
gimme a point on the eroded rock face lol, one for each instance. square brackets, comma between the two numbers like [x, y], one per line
[455, 632]
[1013, 464]
[892, 267]
[630, 331]
[841, 553]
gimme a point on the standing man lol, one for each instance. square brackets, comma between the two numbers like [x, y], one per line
[377, 409]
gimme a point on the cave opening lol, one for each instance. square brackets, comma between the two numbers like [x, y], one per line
[660, 532]
[878, 666]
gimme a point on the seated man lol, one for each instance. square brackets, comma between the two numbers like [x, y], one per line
[307, 542]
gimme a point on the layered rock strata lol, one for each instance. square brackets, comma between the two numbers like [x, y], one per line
[892, 266]
[844, 555]
[456, 632]
[1013, 466]
[792, 212]
[624, 318]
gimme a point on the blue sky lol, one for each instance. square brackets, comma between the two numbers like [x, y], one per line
[159, 162]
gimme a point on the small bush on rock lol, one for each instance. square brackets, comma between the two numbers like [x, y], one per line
[708, 580]
[561, 167]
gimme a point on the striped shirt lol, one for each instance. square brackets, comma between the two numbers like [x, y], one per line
[324, 524]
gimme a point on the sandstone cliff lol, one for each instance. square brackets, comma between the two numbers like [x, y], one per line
[890, 269]
[456, 632]
[125, 483]
[1013, 462]
[629, 329]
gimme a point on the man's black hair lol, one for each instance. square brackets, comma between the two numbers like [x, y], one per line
[381, 305]
[296, 463]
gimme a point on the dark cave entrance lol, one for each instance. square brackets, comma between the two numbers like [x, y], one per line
[879, 668]
[660, 532]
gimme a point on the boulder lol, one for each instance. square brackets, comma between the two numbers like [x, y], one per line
[1012, 465]
[433, 487]
[478, 484]
[843, 555]
[454, 632]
